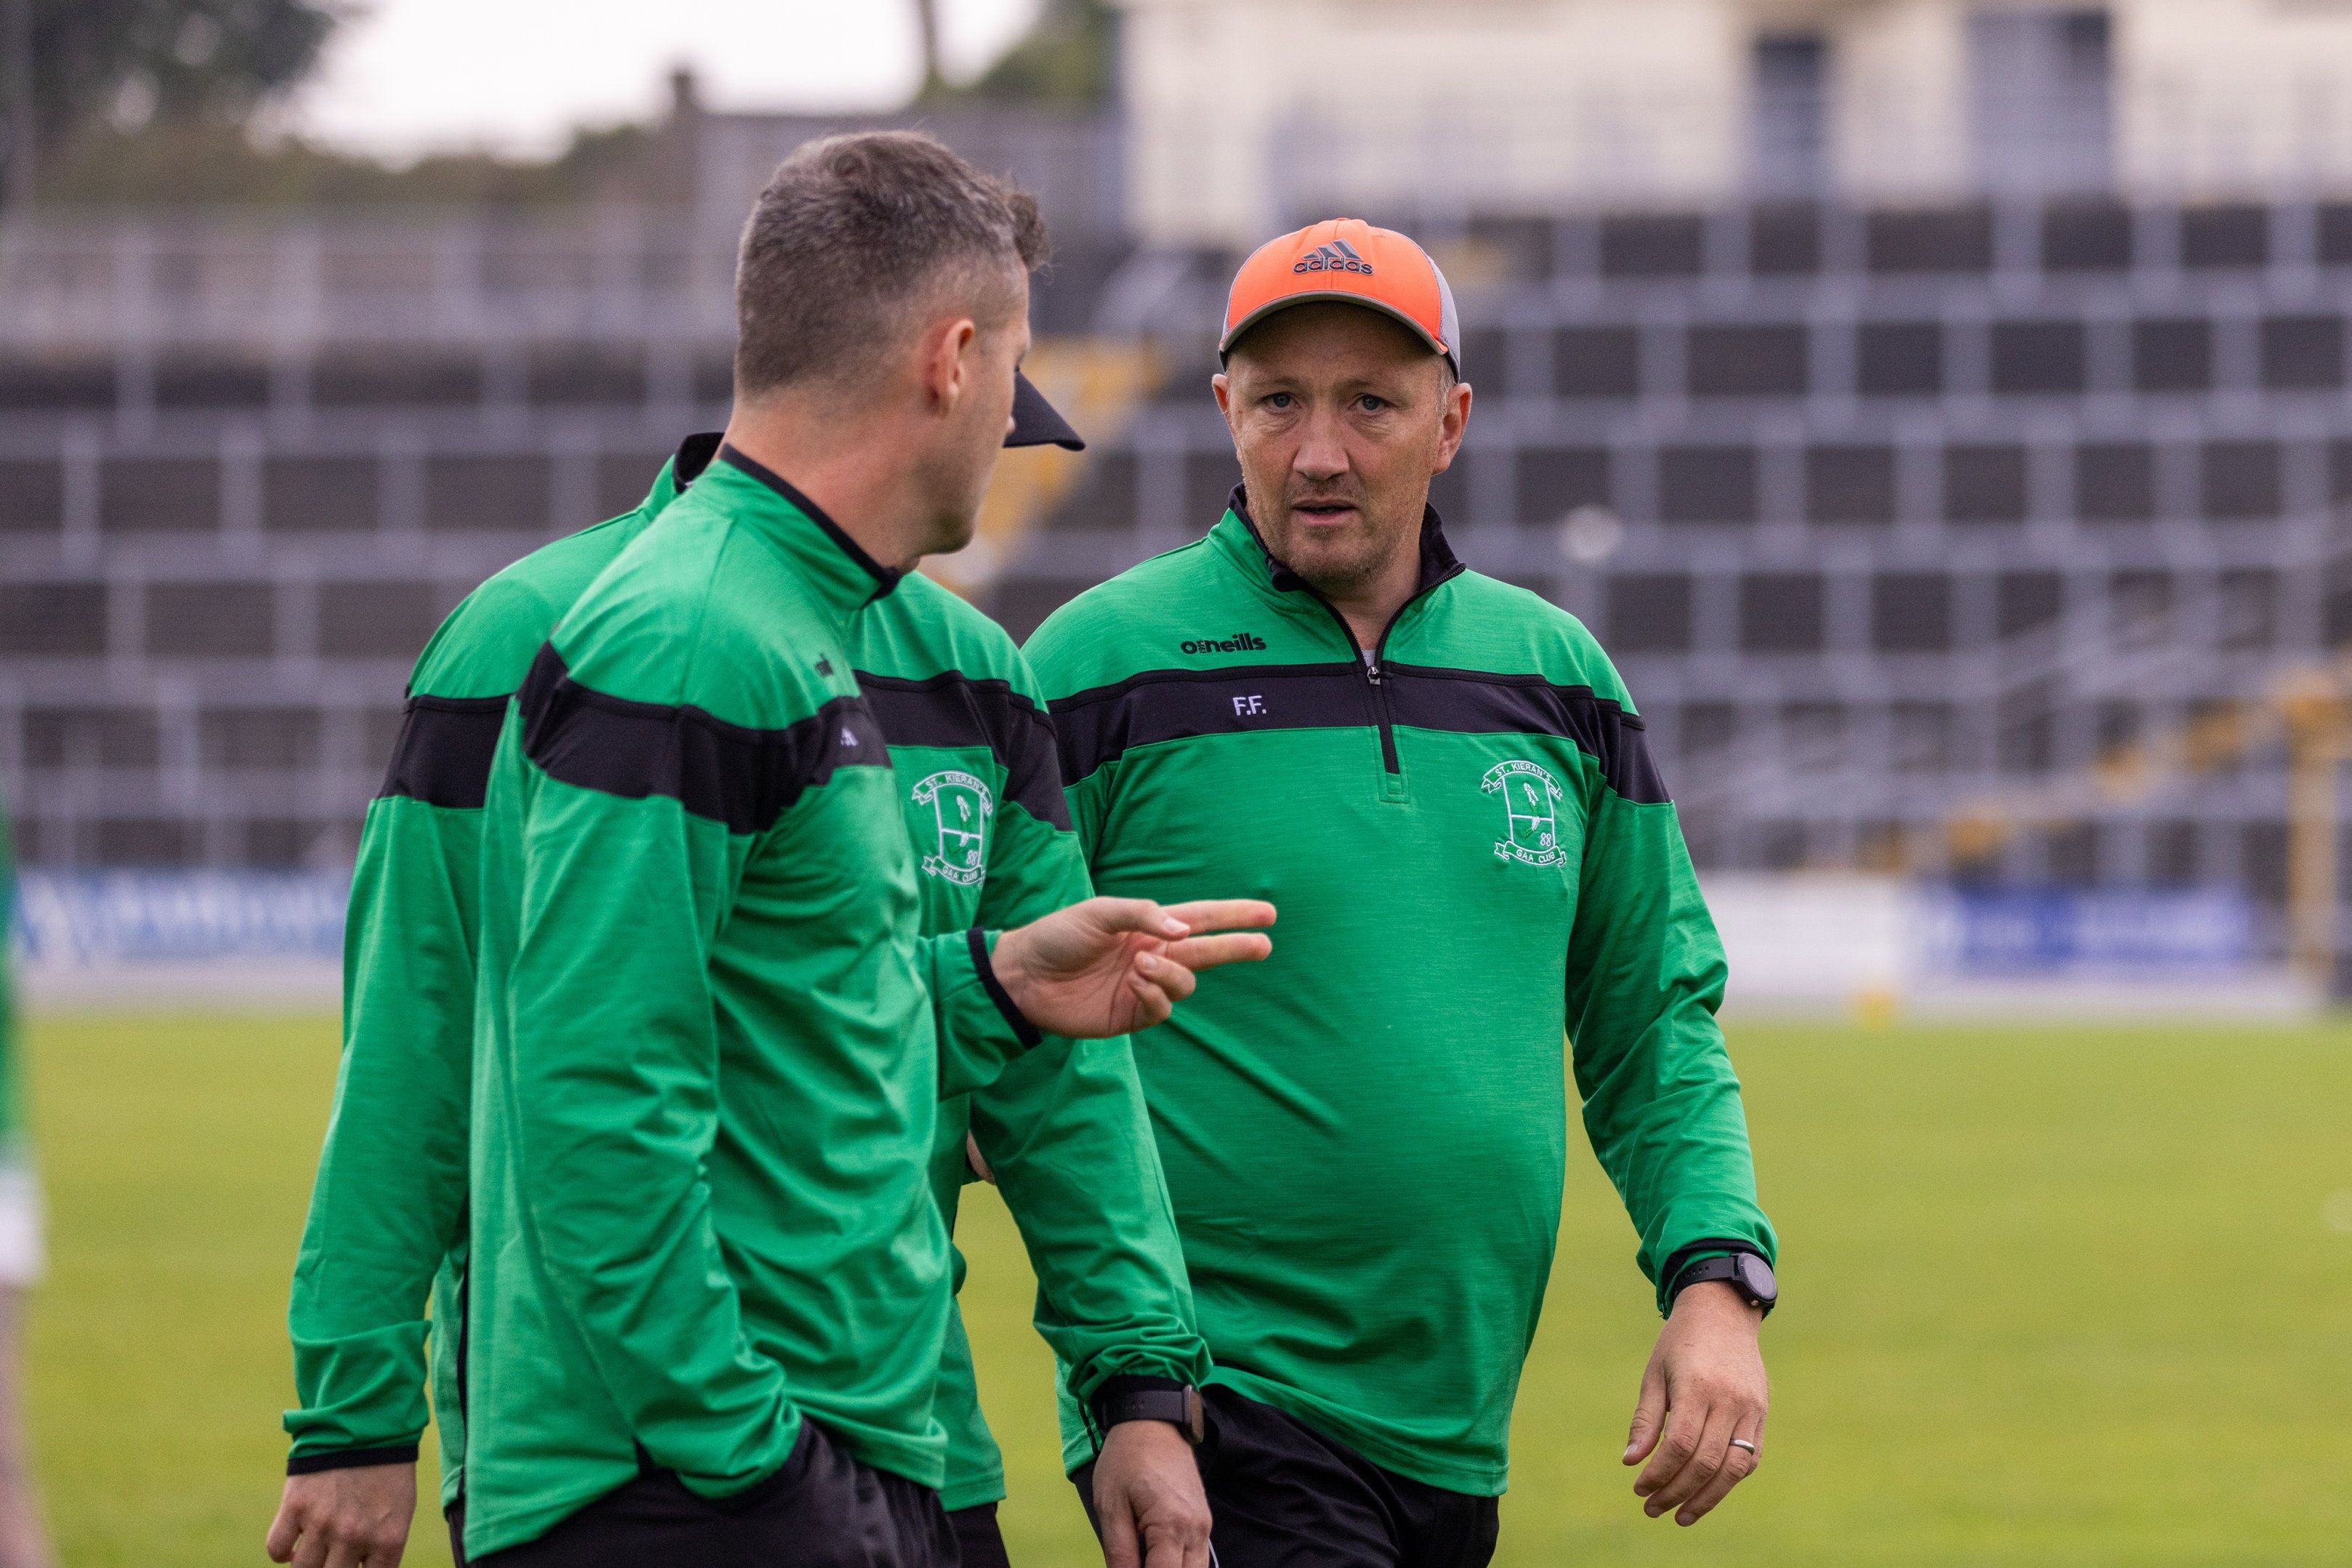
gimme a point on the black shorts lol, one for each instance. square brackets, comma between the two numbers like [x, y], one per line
[978, 1538]
[1285, 1496]
[822, 1509]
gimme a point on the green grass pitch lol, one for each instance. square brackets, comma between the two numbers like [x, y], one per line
[2056, 1297]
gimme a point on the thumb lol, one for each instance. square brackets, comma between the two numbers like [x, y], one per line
[1649, 1414]
[284, 1531]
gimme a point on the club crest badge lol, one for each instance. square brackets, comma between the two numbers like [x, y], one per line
[960, 810]
[1531, 798]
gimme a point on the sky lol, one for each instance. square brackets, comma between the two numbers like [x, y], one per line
[404, 77]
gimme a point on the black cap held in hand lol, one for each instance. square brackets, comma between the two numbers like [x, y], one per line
[1037, 423]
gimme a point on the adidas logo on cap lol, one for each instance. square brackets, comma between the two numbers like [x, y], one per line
[1337, 257]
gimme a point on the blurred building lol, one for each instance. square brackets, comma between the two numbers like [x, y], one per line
[1243, 110]
[1940, 409]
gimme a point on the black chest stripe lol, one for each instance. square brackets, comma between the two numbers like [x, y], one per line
[954, 711]
[442, 755]
[1478, 702]
[1098, 725]
[728, 772]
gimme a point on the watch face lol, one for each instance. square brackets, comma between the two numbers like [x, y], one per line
[1756, 1276]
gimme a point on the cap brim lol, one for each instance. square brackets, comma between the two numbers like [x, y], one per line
[1334, 297]
[1037, 423]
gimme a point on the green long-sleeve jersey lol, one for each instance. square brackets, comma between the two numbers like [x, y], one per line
[1473, 854]
[709, 1038]
[386, 1224]
[1062, 1126]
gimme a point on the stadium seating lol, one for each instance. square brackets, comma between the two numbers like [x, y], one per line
[1882, 511]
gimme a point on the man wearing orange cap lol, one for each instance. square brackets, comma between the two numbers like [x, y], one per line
[1442, 782]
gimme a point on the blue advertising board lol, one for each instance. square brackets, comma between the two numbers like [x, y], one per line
[102, 918]
[2059, 932]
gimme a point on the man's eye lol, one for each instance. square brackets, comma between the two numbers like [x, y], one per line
[1278, 400]
[1372, 405]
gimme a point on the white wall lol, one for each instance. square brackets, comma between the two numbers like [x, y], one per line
[1237, 104]
[2229, 97]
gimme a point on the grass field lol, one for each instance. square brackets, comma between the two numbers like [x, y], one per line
[2059, 1298]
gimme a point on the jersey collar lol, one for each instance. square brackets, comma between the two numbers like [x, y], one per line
[684, 466]
[1236, 534]
[836, 565]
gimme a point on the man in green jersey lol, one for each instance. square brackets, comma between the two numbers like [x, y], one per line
[359, 1292]
[707, 1281]
[1443, 782]
[1062, 1125]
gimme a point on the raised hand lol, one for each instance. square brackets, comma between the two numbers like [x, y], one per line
[1113, 966]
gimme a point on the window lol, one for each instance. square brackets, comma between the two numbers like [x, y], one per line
[1984, 484]
[1649, 613]
[1911, 612]
[1554, 482]
[2115, 482]
[2172, 355]
[1790, 149]
[1746, 361]
[1899, 359]
[2303, 352]
[1706, 484]
[1850, 484]
[1597, 362]
[2041, 91]
[2032, 357]
[2242, 479]
[1780, 612]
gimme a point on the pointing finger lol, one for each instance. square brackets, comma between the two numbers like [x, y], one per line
[1222, 914]
[1133, 914]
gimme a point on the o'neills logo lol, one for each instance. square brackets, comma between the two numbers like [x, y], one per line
[1337, 257]
[1239, 642]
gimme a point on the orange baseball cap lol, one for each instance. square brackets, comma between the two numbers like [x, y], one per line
[1347, 259]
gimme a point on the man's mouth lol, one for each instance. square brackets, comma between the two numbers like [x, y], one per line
[1324, 512]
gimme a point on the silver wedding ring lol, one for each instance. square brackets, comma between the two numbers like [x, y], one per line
[1743, 1443]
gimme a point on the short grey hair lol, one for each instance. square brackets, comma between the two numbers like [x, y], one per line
[852, 236]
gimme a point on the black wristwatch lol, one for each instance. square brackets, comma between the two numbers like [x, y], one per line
[1151, 1399]
[1746, 1272]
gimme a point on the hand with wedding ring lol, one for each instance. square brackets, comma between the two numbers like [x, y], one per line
[1700, 1417]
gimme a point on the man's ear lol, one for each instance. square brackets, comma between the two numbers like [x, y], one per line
[1452, 423]
[946, 376]
[1222, 385]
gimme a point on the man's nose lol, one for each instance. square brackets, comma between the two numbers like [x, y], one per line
[1322, 450]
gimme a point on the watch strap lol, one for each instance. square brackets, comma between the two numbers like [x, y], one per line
[1724, 1265]
[1150, 1399]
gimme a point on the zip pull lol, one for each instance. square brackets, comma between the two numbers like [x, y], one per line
[1372, 673]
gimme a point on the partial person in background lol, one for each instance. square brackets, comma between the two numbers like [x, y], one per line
[1441, 781]
[23, 1540]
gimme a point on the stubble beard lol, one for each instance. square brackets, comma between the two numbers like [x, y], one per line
[1357, 563]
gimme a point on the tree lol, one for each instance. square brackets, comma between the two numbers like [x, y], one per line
[75, 62]
[1069, 58]
[927, 22]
